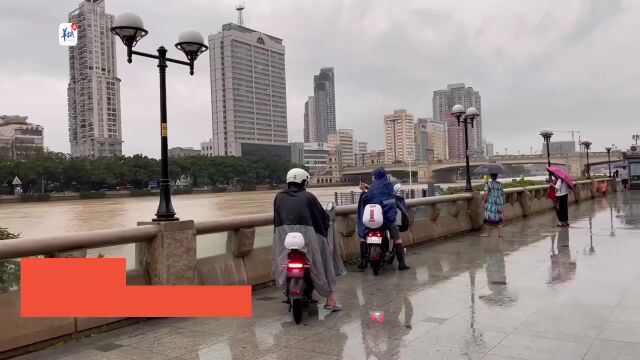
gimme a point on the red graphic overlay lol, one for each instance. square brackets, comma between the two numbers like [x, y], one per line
[73, 287]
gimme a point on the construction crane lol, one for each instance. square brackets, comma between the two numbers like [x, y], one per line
[573, 132]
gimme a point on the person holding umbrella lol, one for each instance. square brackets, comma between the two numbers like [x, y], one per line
[563, 184]
[493, 199]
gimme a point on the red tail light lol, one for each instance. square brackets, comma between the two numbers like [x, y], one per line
[295, 265]
[375, 234]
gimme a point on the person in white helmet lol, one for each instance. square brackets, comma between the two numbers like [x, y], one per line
[297, 210]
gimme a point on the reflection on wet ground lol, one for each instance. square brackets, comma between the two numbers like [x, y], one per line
[542, 292]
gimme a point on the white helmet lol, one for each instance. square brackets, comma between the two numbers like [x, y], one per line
[397, 188]
[297, 176]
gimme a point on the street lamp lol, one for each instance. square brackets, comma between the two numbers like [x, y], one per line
[608, 150]
[467, 117]
[546, 136]
[587, 144]
[636, 137]
[130, 29]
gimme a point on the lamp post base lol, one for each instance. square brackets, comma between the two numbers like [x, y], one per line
[165, 210]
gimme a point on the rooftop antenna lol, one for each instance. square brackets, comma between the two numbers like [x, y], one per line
[239, 8]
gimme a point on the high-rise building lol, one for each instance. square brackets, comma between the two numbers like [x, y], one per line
[324, 91]
[399, 137]
[248, 93]
[344, 139]
[360, 149]
[93, 94]
[455, 138]
[297, 153]
[422, 139]
[310, 125]
[488, 149]
[19, 137]
[436, 140]
[444, 100]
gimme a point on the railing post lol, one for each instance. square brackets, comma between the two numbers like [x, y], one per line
[476, 210]
[525, 202]
[170, 258]
[240, 241]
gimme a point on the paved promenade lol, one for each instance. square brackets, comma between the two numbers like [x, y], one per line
[540, 293]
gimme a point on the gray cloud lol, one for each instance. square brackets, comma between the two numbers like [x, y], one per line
[564, 64]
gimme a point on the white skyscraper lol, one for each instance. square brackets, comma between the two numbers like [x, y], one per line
[93, 94]
[399, 135]
[248, 93]
[443, 101]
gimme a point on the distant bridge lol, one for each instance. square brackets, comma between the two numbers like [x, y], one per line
[425, 171]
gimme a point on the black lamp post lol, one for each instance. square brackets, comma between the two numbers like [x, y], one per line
[130, 29]
[546, 135]
[608, 150]
[466, 117]
[587, 144]
[635, 138]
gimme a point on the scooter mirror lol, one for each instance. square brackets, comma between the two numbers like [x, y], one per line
[329, 206]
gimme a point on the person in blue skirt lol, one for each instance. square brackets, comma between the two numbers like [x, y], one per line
[493, 204]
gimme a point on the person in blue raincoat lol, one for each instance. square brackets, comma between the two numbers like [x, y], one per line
[380, 192]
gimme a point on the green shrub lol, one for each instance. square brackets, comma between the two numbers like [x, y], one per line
[183, 191]
[35, 197]
[92, 195]
[219, 189]
[140, 193]
[9, 269]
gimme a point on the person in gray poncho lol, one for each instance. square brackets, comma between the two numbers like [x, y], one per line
[297, 210]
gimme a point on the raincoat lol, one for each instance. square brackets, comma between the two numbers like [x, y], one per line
[300, 211]
[381, 193]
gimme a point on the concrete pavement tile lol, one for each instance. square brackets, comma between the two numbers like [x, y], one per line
[419, 351]
[572, 319]
[626, 315]
[178, 342]
[298, 354]
[142, 334]
[621, 331]
[236, 348]
[221, 326]
[461, 337]
[613, 350]
[130, 353]
[532, 348]
[330, 341]
[498, 357]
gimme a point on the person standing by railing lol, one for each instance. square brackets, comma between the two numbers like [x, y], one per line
[493, 205]
[562, 201]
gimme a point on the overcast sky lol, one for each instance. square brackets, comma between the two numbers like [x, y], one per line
[563, 64]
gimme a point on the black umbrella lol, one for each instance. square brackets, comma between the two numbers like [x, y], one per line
[489, 169]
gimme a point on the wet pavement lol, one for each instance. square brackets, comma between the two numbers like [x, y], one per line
[542, 292]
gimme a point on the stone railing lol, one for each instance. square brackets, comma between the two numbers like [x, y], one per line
[166, 253]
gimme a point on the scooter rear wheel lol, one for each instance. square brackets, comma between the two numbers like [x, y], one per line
[297, 308]
[375, 267]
